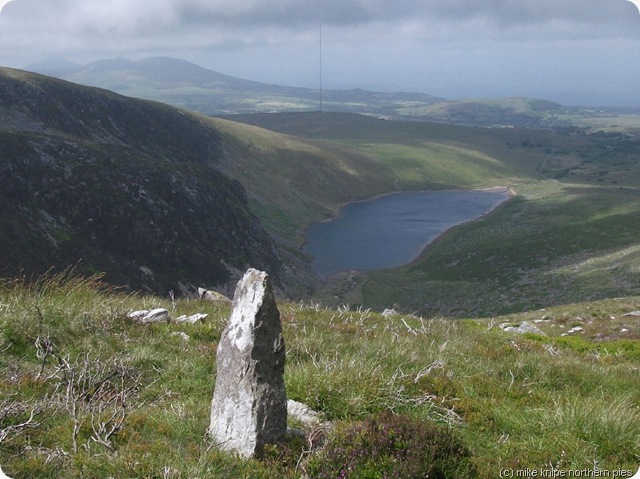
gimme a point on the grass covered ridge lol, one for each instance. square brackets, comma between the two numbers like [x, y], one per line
[511, 401]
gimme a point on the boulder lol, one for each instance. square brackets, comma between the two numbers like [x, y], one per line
[249, 406]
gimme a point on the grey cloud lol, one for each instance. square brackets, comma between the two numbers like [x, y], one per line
[281, 13]
[503, 13]
[367, 39]
[296, 13]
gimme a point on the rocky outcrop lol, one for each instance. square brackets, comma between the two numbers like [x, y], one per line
[249, 406]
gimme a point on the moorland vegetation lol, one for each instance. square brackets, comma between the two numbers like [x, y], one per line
[90, 393]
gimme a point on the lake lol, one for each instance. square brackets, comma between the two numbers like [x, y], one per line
[392, 230]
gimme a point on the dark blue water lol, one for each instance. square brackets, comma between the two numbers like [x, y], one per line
[392, 230]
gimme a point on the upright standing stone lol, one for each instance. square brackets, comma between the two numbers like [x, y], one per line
[249, 406]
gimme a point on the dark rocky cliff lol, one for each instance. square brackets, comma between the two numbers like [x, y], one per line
[121, 186]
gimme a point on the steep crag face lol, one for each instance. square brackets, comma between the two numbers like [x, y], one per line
[120, 186]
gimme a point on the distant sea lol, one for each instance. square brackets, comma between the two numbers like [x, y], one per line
[392, 230]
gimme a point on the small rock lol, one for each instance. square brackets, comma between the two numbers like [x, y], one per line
[135, 315]
[194, 318]
[212, 296]
[624, 330]
[303, 413]
[387, 313]
[184, 336]
[158, 315]
[632, 313]
[577, 329]
[524, 327]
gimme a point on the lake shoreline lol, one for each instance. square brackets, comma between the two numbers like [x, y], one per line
[497, 189]
[336, 211]
[359, 262]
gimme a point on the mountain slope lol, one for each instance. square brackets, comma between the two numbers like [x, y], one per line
[121, 186]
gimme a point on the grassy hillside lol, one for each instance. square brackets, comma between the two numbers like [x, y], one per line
[292, 181]
[570, 234]
[505, 400]
[141, 190]
[521, 112]
[157, 197]
[119, 186]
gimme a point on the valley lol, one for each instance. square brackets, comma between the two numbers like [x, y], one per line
[568, 235]
[513, 339]
[577, 204]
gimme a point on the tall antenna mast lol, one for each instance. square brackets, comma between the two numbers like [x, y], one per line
[320, 73]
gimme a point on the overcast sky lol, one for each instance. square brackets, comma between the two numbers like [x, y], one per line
[573, 51]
